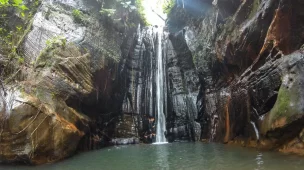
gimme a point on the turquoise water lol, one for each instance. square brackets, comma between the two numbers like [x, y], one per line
[175, 156]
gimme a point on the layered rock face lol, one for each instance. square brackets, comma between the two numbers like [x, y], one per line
[68, 96]
[180, 86]
[248, 57]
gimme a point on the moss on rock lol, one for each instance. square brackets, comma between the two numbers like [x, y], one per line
[288, 107]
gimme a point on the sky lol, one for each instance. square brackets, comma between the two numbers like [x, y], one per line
[156, 6]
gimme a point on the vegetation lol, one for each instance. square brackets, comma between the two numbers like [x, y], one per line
[10, 36]
[78, 16]
[168, 6]
[141, 12]
[52, 46]
[58, 41]
[15, 22]
[125, 11]
[12, 33]
[17, 4]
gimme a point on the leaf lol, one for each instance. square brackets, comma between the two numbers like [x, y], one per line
[19, 28]
[17, 2]
[23, 7]
[4, 2]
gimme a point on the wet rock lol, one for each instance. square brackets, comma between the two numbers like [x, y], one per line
[126, 127]
[245, 53]
[288, 108]
[180, 86]
[56, 18]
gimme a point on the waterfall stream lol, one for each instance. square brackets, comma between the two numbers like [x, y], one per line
[160, 86]
[255, 130]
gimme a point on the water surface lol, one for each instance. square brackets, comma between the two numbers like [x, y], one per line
[196, 156]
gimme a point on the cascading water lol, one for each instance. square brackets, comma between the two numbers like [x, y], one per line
[160, 86]
[146, 95]
[255, 130]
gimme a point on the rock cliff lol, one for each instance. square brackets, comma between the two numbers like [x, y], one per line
[248, 57]
[60, 85]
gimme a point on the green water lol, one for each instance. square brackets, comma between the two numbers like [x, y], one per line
[176, 156]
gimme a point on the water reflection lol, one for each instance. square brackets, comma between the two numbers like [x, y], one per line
[259, 161]
[217, 161]
[162, 155]
[176, 156]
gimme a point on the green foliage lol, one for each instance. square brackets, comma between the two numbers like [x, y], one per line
[168, 6]
[11, 35]
[78, 16]
[56, 41]
[17, 4]
[141, 12]
[20, 60]
[53, 45]
[15, 23]
[4, 3]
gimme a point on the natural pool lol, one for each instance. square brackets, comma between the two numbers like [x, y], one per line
[175, 156]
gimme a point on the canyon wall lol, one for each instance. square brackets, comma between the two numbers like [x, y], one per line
[248, 57]
[62, 89]
[82, 75]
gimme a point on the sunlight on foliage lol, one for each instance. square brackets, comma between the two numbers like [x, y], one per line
[168, 5]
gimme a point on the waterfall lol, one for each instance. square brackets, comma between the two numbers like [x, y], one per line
[255, 130]
[160, 86]
[147, 77]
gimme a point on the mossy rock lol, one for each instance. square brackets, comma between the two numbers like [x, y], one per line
[289, 104]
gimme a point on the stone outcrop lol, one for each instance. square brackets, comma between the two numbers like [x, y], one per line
[36, 132]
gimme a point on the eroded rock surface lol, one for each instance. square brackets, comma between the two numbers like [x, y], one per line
[68, 97]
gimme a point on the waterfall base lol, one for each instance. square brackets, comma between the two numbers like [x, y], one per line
[160, 143]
